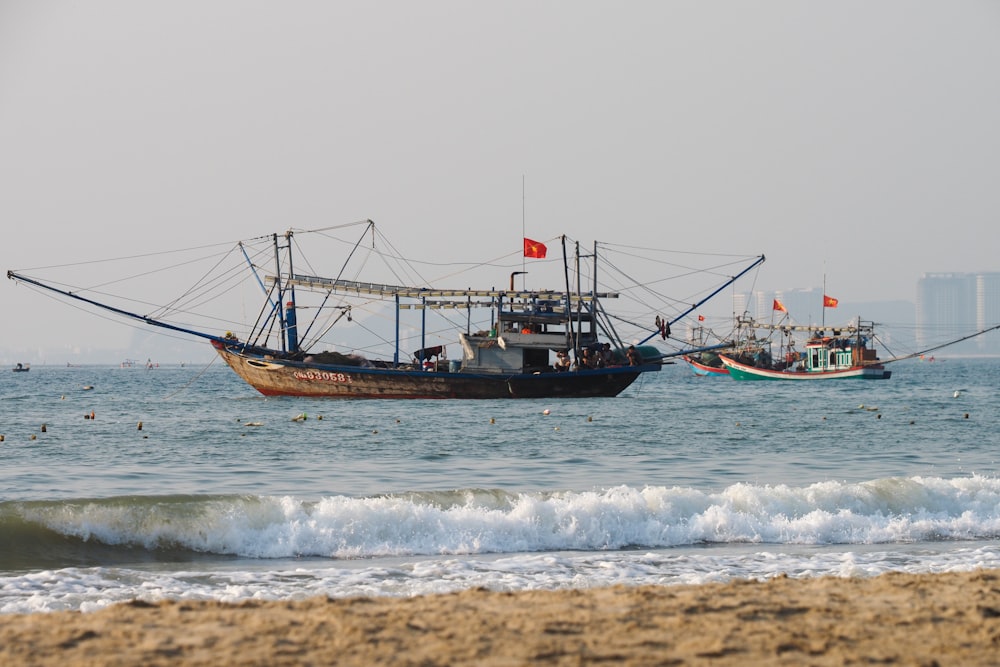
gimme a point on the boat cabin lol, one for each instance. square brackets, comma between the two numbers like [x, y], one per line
[525, 334]
[833, 353]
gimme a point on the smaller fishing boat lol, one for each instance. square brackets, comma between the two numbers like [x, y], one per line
[22, 368]
[830, 353]
[706, 364]
[705, 359]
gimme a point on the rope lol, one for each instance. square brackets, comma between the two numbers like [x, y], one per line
[202, 372]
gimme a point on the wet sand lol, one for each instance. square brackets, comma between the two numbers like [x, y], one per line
[894, 619]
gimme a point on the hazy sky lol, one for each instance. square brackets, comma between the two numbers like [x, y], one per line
[858, 140]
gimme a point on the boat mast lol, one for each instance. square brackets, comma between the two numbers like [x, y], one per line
[569, 301]
[579, 296]
[281, 290]
[292, 332]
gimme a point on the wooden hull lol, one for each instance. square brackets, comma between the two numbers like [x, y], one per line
[292, 378]
[739, 371]
[703, 370]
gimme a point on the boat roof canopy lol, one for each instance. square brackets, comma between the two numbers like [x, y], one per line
[342, 286]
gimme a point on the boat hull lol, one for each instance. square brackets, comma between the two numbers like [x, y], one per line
[739, 371]
[292, 378]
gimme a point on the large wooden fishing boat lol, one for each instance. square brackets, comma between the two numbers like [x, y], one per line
[536, 343]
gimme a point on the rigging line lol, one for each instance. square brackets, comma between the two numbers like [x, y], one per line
[171, 305]
[730, 260]
[70, 300]
[736, 257]
[127, 257]
[385, 341]
[398, 257]
[321, 230]
[192, 380]
[713, 269]
[71, 290]
[147, 273]
[689, 271]
[369, 226]
[495, 262]
[942, 345]
[729, 279]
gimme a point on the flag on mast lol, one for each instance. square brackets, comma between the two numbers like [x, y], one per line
[777, 305]
[829, 302]
[534, 249]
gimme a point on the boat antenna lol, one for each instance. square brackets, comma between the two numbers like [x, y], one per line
[822, 320]
[523, 236]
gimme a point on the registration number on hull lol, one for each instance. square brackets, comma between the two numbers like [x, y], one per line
[323, 376]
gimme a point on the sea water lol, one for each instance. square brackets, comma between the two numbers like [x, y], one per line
[182, 482]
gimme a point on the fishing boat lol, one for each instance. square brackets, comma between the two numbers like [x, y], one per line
[706, 364]
[829, 353]
[536, 343]
[21, 368]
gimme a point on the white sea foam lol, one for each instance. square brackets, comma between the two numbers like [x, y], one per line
[89, 589]
[468, 522]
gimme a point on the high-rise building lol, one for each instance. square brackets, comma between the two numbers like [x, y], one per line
[951, 305]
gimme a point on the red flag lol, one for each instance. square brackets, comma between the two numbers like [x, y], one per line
[829, 302]
[701, 318]
[777, 305]
[534, 249]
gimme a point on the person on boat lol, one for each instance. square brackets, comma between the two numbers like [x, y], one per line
[588, 359]
[562, 361]
[633, 356]
[607, 359]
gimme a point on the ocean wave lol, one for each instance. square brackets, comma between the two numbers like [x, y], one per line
[480, 521]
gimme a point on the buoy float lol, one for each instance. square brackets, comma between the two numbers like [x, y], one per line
[43, 427]
[2, 438]
[139, 427]
[590, 418]
[301, 417]
[493, 421]
[92, 414]
[966, 415]
[545, 411]
[86, 416]
[34, 437]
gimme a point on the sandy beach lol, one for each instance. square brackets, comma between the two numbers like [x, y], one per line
[896, 619]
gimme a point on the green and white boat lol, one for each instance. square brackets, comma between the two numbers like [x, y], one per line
[829, 354]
